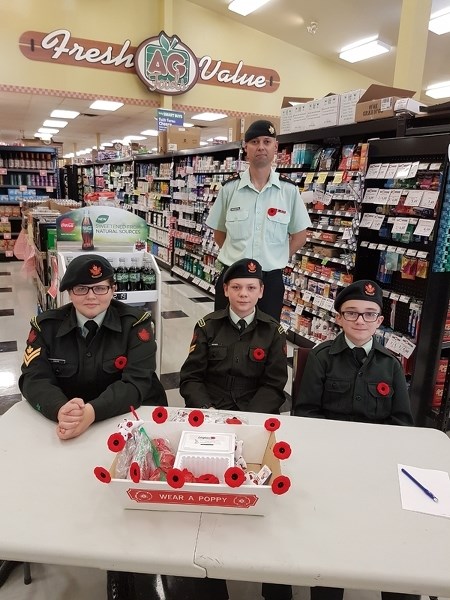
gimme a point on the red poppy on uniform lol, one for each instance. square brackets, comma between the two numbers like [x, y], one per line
[135, 472]
[234, 477]
[207, 478]
[282, 450]
[175, 478]
[196, 418]
[272, 424]
[259, 354]
[272, 212]
[280, 485]
[159, 414]
[31, 336]
[383, 388]
[233, 421]
[120, 362]
[144, 335]
[102, 474]
[116, 442]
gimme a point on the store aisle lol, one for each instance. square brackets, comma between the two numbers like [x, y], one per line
[182, 306]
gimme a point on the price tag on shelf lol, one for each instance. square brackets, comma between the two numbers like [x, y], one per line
[394, 343]
[9, 253]
[429, 199]
[7, 236]
[373, 170]
[23, 188]
[3, 171]
[392, 170]
[404, 299]
[367, 220]
[413, 170]
[414, 197]
[392, 249]
[407, 347]
[411, 252]
[423, 166]
[383, 196]
[370, 195]
[377, 222]
[373, 246]
[347, 234]
[4, 220]
[383, 170]
[403, 171]
[49, 190]
[327, 303]
[307, 295]
[435, 166]
[394, 296]
[422, 254]
[394, 197]
[309, 177]
[400, 225]
[299, 309]
[338, 177]
[43, 173]
[381, 247]
[317, 301]
[322, 177]
[424, 227]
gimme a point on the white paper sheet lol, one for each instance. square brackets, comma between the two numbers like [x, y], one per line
[413, 498]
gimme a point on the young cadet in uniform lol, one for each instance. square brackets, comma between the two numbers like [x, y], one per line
[259, 214]
[92, 358]
[354, 378]
[237, 361]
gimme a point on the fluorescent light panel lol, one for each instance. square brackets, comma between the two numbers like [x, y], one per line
[150, 132]
[440, 21]
[363, 50]
[245, 7]
[439, 90]
[105, 105]
[53, 123]
[209, 116]
[64, 114]
[49, 130]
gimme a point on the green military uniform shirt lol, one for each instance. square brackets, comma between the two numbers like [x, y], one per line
[233, 371]
[116, 371]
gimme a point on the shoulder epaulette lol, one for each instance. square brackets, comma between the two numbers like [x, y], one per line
[286, 179]
[234, 177]
[201, 322]
[34, 323]
[144, 317]
[281, 329]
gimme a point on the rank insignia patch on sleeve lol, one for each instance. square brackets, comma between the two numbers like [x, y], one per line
[30, 354]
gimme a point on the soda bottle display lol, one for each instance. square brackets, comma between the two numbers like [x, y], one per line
[87, 232]
[148, 276]
[122, 276]
[134, 276]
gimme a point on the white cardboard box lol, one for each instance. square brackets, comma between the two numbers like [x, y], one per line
[348, 106]
[329, 110]
[286, 120]
[299, 117]
[199, 497]
[313, 115]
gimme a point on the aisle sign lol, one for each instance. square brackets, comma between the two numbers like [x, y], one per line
[169, 117]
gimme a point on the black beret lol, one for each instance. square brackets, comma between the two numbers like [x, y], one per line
[246, 267]
[365, 289]
[86, 269]
[259, 128]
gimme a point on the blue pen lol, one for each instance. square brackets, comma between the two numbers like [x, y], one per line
[424, 489]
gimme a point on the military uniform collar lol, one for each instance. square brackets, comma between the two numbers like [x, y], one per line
[274, 179]
[111, 321]
[339, 344]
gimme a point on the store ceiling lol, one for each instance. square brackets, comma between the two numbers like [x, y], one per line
[22, 114]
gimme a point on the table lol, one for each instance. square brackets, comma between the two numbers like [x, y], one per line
[341, 523]
[53, 509]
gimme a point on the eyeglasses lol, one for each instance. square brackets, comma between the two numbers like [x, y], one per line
[83, 290]
[368, 317]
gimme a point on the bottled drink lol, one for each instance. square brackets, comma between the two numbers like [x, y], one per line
[32, 160]
[27, 161]
[10, 161]
[122, 276]
[148, 276]
[21, 161]
[87, 232]
[134, 276]
[110, 259]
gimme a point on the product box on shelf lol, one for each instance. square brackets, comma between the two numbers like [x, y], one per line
[347, 106]
[286, 120]
[178, 492]
[329, 110]
[178, 138]
[378, 102]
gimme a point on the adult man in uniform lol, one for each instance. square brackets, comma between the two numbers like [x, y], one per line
[259, 214]
[93, 358]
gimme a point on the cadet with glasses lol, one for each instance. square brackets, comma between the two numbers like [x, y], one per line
[92, 358]
[354, 378]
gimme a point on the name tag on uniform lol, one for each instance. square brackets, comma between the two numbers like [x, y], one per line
[235, 208]
[57, 361]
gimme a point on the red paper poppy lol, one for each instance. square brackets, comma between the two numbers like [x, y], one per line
[383, 388]
[102, 474]
[196, 418]
[272, 212]
[188, 476]
[259, 354]
[159, 415]
[207, 478]
[280, 485]
[116, 442]
[233, 421]
[272, 424]
[175, 478]
[234, 477]
[282, 450]
[120, 362]
[135, 472]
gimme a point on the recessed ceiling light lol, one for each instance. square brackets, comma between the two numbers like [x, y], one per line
[64, 114]
[105, 105]
[363, 49]
[209, 116]
[150, 132]
[439, 90]
[245, 7]
[53, 123]
[134, 138]
[188, 124]
[70, 155]
[117, 141]
[440, 21]
[47, 130]
[108, 144]
[43, 136]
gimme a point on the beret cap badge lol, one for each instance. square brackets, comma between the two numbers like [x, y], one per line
[95, 271]
[369, 289]
[251, 267]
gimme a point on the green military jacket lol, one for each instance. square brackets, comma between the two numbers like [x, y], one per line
[233, 371]
[334, 386]
[116, 371]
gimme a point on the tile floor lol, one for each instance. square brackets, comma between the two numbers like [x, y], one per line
[182, 306]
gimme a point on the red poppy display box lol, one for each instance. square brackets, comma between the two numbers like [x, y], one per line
[200, 497]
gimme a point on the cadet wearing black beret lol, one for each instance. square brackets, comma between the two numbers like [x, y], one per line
[365, 289]
[260, 128]
[242, 269]
[86, 269]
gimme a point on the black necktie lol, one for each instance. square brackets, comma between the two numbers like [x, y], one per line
[241, 325]
[360, 355]
[92, 327]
